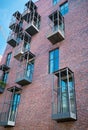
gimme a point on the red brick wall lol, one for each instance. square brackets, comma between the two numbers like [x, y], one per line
[34, 111]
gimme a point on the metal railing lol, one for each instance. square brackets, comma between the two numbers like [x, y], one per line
[55, 29]
[24, 74]
[8, 111]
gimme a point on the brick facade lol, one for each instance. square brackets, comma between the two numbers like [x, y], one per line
[35, 109]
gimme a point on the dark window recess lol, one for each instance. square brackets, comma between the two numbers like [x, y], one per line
[8, 109]
[55, 2]
[63, 95]
[64, 8]
[53, 60]
[8, 58]
[5, 77]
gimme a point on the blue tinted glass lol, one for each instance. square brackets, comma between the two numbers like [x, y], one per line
[56, 53]
[51, 66]
[51, 55]
[56, 64]
[64, 8]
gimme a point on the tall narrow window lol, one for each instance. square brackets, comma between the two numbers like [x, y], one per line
[8, 58]
[55, 2]
[64, 8]
[5, 77]
[53, 60]
[14, 105]
[30, 69]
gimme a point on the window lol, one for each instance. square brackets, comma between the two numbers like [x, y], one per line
[14, 105]
[64, 8]
[55, 2]
[53, 60]
[8, 58]
[5, 77]
[26, 46]
[30, 69]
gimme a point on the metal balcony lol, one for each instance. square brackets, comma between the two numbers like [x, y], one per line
[12, 40]
[25, 14]
[8, 109]
[56, 34]
[31, 6]
[56, 31]
[23, 53]
[18, 52]
[4, 67]
[24, 78]
[32, 28]
[63, 96]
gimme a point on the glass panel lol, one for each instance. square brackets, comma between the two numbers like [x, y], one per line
[55, 1]
[54, 60]
[14, 105]
[29, 71]
[5, 76]
[8, 59]
[51, 66]
[64, 95]
[26, 46]
[64, 8]
[72, 95]
[51, 55]
[56, 64]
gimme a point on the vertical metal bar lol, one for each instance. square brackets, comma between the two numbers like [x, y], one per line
[52, 93]
[60, 92]
[68, 89]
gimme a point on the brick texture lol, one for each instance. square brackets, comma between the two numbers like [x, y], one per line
[35, 109]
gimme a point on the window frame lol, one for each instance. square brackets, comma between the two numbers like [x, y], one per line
[65, 9]
[53, 60]
[5, 77]
[54, 2]
[8, 58]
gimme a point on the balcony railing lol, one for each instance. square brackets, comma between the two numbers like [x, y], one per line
[25, 13]
[18, 52]
[13, 21]
[8, 113]
[32, 27]
[12, 40]
[24, 77]
[2, 86]
[56, 34]
[63, 96]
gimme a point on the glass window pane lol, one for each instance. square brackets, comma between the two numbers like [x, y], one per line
[64, 95]
[51, 66]
[53, 60]
[51, 55]
[64, 8]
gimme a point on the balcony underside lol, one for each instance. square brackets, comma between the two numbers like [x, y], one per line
[7, 124]
[4, 121]
[64, 117]
[4, 67]
[12, 42]
[31, 29]
[55, 37]
[23, 81]
[18, 56]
